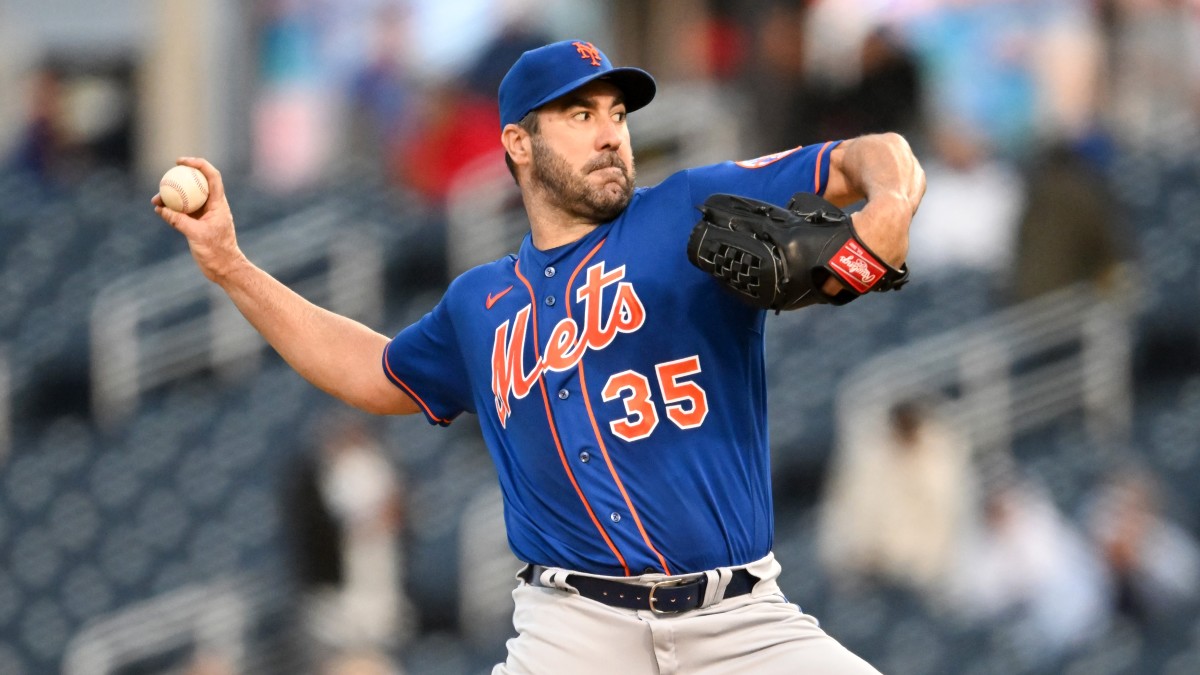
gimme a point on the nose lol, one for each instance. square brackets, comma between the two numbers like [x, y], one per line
[608, 136]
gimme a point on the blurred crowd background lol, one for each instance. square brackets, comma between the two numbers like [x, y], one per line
[993, 471]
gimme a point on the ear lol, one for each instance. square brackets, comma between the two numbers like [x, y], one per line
[517, 144]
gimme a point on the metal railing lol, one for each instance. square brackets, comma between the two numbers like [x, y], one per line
[212, 618]
[1064, 353]
[168, 321]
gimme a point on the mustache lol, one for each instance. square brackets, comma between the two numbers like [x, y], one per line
[605, 161]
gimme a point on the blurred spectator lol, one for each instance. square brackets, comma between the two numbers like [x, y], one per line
[1068, 230]
[837, 62]
[898, 506]
[1155, 563]
[346, 505]
[382, 90]
[363, 663]
[488, 68]
[1155, 92]
[452, 129]
[969, 215]
[79, 117]
[210, 662]
[455, 125]
[293, 113]
[783, 105]
[884, 96]
[41, 144]
[716, 43]
[977, 56]
[1068, 66]
[1032, 571]
[485, 561]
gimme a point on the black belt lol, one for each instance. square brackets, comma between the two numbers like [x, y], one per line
[669, 596]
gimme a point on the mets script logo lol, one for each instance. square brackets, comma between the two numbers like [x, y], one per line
[568, 341]
[587, 51]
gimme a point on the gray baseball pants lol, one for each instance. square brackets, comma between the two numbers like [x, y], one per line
[560, 632]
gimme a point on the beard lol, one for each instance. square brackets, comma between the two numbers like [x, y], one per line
[571, 191]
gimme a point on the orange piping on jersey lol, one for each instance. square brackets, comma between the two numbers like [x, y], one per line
[817, 171]
[571, 280]
[562, 455]
[596, 429]
[408, 390]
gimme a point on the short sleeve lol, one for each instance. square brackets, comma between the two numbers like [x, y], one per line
[425, 361]
[772, 178]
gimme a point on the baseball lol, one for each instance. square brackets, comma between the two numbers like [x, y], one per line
[183, 189]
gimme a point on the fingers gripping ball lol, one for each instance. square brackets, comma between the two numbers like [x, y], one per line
[183, 189]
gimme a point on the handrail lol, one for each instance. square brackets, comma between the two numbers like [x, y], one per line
[484, 219]
[168, 321]
[1008, 373]
[213, 617]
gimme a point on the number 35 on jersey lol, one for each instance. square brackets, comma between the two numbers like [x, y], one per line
[684, 402]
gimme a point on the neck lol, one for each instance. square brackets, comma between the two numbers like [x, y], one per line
[551, 225]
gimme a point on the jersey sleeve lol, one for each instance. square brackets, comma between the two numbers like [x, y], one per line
[771, 178]
[425, 361]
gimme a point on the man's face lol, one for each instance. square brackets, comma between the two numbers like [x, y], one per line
[582, 158]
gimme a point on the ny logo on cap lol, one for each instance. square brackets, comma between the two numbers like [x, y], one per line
[587, 51]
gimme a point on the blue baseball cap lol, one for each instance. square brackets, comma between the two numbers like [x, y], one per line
[543, 74]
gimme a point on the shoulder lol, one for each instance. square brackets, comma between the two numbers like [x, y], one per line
[481, 278]
[653, 208]
[671, 190]
[772, 178]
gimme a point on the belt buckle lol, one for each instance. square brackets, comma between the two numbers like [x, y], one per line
[668, 583]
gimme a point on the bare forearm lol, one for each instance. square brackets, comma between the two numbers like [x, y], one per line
[336, 354]
[883, 170]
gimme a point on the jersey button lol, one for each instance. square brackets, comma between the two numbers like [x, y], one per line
[615, 517]
[563, 393]
[549, 271]
[585, 457]
[550, 301]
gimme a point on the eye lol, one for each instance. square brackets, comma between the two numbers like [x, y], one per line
[619, 117]
[582, 115]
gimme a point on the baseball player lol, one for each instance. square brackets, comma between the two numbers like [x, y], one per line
[615, 365]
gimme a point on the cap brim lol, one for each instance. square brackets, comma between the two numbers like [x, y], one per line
[636, 85]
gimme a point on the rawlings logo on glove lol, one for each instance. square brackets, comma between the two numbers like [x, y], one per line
[779, 258]
[857, 266]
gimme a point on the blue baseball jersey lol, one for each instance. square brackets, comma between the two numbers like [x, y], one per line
[620, 390]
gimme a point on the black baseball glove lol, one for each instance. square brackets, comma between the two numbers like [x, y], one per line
[779, 258]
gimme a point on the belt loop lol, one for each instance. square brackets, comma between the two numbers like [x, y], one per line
[718, 581]
[556, 578]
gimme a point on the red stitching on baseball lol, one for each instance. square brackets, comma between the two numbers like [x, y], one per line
[196, 175]
[178, 188]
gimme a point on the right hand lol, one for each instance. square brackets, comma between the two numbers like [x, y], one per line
[209, 231]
